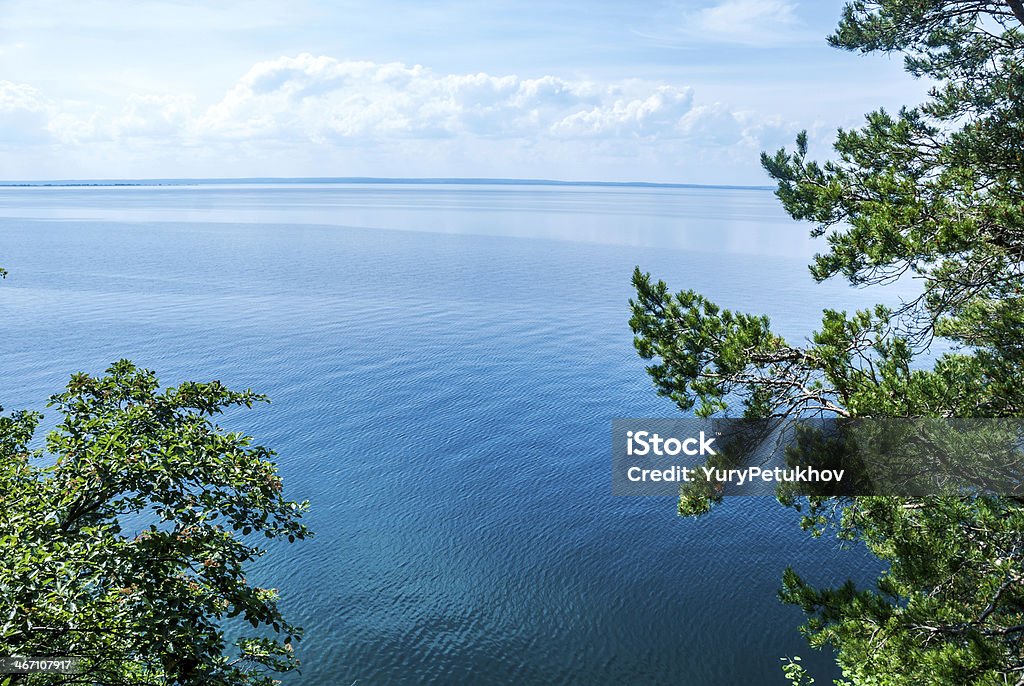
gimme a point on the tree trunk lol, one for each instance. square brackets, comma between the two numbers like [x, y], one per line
[1018, 9]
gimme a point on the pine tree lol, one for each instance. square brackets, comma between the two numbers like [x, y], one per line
[934, 192]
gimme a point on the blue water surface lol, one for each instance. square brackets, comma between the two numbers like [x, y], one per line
[444, 364]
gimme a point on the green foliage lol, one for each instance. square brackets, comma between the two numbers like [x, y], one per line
[795, 672]
[948, 610]
[934, 192]
[126, 540]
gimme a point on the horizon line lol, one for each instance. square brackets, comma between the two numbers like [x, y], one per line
[383, 180]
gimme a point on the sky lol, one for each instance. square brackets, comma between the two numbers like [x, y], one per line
[688, 91]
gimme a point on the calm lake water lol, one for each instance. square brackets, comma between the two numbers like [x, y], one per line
[444, 364]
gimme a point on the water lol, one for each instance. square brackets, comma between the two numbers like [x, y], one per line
[444, 364]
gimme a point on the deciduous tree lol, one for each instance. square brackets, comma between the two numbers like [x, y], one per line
[126, 540]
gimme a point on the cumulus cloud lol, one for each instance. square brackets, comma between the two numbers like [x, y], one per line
[27, 117]
[23, 113]
[321, 98]
[153, 115]
[305, 106]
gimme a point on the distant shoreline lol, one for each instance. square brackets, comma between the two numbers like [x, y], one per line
[368, 180]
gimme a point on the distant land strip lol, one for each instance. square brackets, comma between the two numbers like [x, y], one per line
[368, 180]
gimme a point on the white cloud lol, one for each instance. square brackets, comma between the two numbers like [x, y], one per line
[153, 115]
[747, 21]
[321, 98]
[754, 23]
[23, 113]
[713, 124]
[19, 96]
[660, 114]
[359, 117]
[147, 119]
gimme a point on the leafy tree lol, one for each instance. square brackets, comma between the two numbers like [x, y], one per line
[934, 192]
[126, 539]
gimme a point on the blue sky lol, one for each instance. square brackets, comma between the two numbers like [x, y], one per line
[685, 91]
